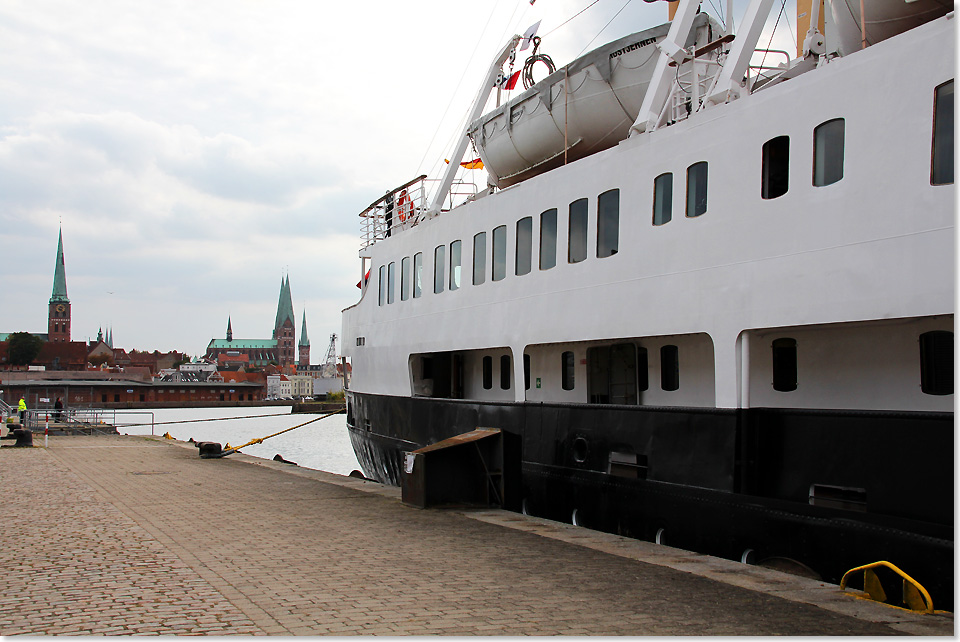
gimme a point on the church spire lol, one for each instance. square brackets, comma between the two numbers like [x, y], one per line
[59, 276]
[229, 329]
[284, 305]
[304, 341]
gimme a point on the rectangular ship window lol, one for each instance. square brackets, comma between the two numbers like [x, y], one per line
[455, 265]
[405, 278]
[479, 258]
[577, 237]
[669, 368]
[697, 189]
[828, 152]
[567, 370]
[663, 198]
[505, 372]
[500, 253]
[391, 280]
[438, 263]
[524, 245]
[941, 171]
[784, 365]
[775, 178]
[382, 285]
[487, 373]
[417, 274]
[548, 239]
[608, 223]
[936, 362]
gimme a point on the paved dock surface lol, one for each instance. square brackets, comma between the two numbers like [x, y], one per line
[120, 535]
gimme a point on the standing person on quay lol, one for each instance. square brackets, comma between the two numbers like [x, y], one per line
[58, 407]
[22, 408]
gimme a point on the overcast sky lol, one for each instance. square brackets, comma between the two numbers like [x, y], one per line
[195, 152]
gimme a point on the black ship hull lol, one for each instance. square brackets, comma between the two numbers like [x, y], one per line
[830, 490]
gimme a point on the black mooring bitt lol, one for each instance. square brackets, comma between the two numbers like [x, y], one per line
[211, 450]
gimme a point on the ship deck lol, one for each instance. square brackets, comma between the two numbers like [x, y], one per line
[138, 535]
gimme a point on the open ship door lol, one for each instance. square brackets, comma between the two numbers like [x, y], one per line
[480, 467]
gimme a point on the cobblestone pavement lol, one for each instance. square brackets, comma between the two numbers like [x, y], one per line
[133, 535]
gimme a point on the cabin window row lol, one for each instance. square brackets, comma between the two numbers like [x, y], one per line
[936, 363]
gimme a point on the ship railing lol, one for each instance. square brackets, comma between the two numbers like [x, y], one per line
[759, 74]
[697, 75]
[402, 207]
[395, 211]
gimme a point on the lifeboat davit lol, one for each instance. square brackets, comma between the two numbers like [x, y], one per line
[533, 132]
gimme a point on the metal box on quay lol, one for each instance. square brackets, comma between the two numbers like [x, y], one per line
[480, 467]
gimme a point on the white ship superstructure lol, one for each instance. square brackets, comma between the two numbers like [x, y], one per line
[730, 299]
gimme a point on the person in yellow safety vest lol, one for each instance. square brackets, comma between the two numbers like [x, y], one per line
[22, 408]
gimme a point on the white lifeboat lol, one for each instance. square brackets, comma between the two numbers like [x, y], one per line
[882, 19]
[533, 132]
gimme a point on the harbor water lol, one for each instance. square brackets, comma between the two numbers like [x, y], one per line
[321, 445]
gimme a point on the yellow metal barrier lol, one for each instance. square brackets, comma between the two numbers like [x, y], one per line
[914, 595]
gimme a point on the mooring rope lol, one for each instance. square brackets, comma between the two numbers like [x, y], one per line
[260, 439]
[194, 421]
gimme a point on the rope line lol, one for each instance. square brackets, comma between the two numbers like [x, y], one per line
[195, 421]
[259, 440]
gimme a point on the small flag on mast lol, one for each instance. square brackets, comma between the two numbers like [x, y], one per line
[529, 34]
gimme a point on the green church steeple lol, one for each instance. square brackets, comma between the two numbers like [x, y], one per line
[59, 276]
[284, 306]
[304, 341]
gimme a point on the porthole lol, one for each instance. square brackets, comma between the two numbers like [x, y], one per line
[660, 536]
[575, 518]
[580, 450]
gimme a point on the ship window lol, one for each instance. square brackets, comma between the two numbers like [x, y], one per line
[669, 367]
[643, 377]
[941, 172]
[405, 278]
[577, 239]
[784, 365]
[499, 253]
[828, 152]
[455, 265]
[608, 223]
[391, 280]
[548, 239]
[526, 372]
[936, 362]
[696, 189]
[382, 284]
[524, 245]
[776, 167]
[663, 199]
[567, 365]
[438, 263]
[487, 373]
[505, 372]
[417, 274]
[479, 258]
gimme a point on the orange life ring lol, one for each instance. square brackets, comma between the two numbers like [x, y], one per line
[404, 206]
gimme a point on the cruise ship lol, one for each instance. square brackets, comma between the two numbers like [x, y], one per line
[709, 291]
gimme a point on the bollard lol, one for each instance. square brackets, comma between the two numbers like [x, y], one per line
[24, 438]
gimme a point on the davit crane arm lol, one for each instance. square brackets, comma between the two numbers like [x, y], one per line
[481, 101]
